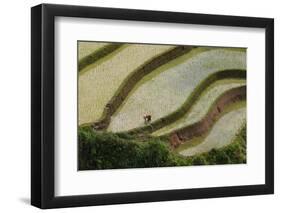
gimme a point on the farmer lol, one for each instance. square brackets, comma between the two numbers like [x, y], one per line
[147, 118]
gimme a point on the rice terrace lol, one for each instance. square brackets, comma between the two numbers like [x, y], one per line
[154, 105]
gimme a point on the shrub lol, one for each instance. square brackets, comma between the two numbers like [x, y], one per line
[111, 151]
[199, 160]
[234, 153]
[103, 150]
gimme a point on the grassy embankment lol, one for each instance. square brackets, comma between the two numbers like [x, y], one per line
[117, 151]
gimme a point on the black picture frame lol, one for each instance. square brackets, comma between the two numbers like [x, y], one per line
[43, 94]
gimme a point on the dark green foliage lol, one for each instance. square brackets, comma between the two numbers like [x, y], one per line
[125, 135]
[98, 54]
[101, 150]
[110, 151]
[199, 160]
[155, 153]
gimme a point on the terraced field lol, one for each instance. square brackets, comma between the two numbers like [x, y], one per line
[194, 97]
[200, 108]
[156, 96]
[86, 48]
[98, 85]
[222, 134]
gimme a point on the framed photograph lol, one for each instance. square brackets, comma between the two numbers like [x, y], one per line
[139, 106]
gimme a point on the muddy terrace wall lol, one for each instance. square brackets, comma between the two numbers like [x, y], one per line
[129, 83]
[158, 124]
[200, 128]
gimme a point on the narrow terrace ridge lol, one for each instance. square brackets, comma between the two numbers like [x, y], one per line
[204, 125]
[97, 55]
[187, 105]
[100, 81]
[130, 82]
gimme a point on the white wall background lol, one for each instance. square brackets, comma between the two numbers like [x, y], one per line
[15, 105]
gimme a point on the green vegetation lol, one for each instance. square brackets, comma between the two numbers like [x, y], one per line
[234, 153]
[191, 94]
[111, 151]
